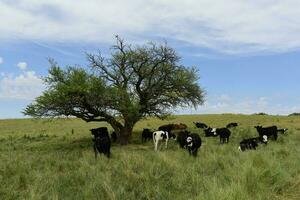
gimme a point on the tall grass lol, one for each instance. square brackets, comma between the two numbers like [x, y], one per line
[44, 160]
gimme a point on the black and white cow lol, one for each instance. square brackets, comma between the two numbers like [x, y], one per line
[200, 125]
[160, 136]
[181, 138]
[252, 143]
[210, 132]
[232, 125]
[193, 143]
[224, 134]
[147, 134]
[270, 131]
[101, 140]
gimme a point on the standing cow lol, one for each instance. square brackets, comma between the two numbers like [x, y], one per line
[160, 136]
[101, 141]
[193, 143]
[224, 134]
[270, 131]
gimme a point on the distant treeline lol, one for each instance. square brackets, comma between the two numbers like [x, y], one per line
[294, 114]
[261, 113]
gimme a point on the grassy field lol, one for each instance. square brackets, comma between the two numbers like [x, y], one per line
[42, 159]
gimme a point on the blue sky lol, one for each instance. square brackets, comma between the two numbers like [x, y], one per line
[247, 52]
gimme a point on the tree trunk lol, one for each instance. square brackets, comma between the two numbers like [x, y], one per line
[125, 135]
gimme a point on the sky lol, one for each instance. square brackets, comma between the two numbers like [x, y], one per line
[247, 52]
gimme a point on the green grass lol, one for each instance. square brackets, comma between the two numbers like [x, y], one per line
[42, 159]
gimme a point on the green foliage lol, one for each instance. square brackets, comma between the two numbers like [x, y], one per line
[133, 84]
[43, 160]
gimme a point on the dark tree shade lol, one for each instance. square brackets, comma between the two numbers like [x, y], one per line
[135, 82]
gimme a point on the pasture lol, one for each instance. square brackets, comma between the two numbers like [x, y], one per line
[41, 159]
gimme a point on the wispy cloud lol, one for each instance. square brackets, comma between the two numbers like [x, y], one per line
[22, 65]
[1, 60]
[233, 27]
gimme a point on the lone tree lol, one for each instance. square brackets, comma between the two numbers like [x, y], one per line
[135, 82]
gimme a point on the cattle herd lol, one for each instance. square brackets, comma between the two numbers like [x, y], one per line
[186, 140]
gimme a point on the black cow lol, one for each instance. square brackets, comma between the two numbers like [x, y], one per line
[193, 143]
[252, 143]
[200, 125]
[247, 144]
[147, 134]
[268, 131]
[231, 125]
[167, 128]
[210, 132]
[224, 134]
[181, 138]
[101, 140]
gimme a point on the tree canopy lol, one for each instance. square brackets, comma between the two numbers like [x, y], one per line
[133, 83]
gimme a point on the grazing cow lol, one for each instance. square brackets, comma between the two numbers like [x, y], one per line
[193, 143]
[167, 128]
[210, 132]
[147, 135]
[181, 138]
[282, 131]
[179, 126]
[200, 125]
[170, 127]
[231, 125]
[161, 135]
[101, 140]
[252, 143]
[247, 144]
[114, 136]
[268, 131]
[224, 134]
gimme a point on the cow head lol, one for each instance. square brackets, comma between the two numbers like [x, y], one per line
[265, 139]
[258, 127]
[99, 132]
[214, 131]
[189, 141]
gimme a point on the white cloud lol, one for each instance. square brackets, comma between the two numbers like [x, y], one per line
[24, 86]
[225, 25]
[226, 104]
[22, 65]
[1, 60]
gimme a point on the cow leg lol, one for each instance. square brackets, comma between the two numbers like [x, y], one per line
[95, 151]
[190, 151]
[195, 152]
[166, 143]
[275, 136]
[155, 143]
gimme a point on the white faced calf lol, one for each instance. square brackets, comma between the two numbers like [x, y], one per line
[161, 135]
